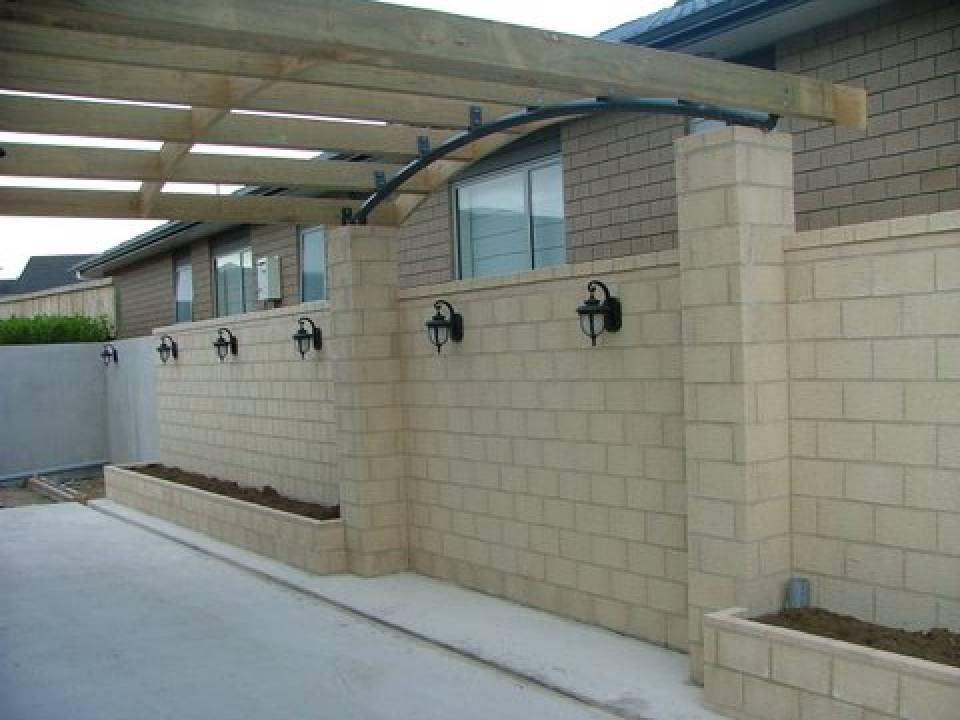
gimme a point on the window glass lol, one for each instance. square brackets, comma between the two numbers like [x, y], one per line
[236, 281]
[183, 289]
[546, 203]
[510, 222]
[313, 264]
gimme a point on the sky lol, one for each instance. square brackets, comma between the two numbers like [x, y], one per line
[22, 237]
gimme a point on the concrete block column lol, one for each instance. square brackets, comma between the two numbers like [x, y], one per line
[734, 207]
[362, 271]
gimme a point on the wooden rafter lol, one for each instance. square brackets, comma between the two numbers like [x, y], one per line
[134, 122]
[99, 47]
[27, 160]
[381, 35]
[38, 74]
[252, 209]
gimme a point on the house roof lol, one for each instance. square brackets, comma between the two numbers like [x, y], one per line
[729, 28]
[42, 272]
[683, 9]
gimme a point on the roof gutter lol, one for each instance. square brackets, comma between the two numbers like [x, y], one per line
[711, 22]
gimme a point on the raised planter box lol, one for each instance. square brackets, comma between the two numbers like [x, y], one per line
[318, 546]
[754, 671]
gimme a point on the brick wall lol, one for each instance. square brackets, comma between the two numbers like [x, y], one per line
[264, 417]
[907, 57]
[619, 188]
[874, 327]
[545, 470]
[426, 243]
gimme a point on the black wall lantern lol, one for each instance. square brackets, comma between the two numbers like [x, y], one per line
[167, 349]
[599, 316]
[108, 354]
[225, 343]
[305, 339]
[441, 328]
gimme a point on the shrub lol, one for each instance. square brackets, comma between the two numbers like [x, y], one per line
[44, 329]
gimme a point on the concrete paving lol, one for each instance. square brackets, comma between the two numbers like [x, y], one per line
[630, 678]
[103, 620]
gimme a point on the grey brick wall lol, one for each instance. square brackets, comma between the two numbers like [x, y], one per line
[906, 56]
[618, 184]
[426, 243]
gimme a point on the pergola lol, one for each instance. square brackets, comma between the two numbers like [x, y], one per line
[291, 73]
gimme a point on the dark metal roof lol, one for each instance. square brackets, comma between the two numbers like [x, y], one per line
[44, 271]
[666, 16]
[692, 21]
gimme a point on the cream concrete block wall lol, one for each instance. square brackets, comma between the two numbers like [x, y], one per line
[543, 469]
[763, 672]
[363, 277]
[735, 202]
[262, 417]
[874, 324]
[317, 546]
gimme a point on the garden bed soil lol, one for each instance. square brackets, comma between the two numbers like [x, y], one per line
[266, 496]
[937, 644]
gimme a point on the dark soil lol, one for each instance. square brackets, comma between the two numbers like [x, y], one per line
[265, 496]
[937, 644]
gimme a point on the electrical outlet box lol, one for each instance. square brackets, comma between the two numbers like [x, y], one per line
[268, 279]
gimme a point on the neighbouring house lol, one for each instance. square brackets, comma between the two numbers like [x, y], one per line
[43, 272]
[50, 285]
[781, 399]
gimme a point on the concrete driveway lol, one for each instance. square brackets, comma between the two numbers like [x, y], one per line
[103, 620]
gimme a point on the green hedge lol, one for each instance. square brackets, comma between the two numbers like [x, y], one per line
[45, 329]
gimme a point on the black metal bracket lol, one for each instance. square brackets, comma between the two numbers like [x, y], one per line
[423, 145]
[476, 117]
[575, 108]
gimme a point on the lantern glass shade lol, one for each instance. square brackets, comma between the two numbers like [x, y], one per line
[302, 338]
[591, 320]
[438, 331]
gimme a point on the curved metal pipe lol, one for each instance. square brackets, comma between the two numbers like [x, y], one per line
[589, 106]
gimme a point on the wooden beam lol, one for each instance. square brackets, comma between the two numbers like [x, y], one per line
[27, 160]
[383, 35]
[99, 47]
[135, 122]
[253, 209]
[36, 73]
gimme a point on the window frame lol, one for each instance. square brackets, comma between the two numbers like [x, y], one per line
[182, 258]
[226, 247]
[526, 168]
[301, 231]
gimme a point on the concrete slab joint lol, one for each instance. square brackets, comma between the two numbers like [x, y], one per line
[735, 207]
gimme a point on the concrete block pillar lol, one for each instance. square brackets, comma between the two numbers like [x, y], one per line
[734, 207]
[362, 272]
